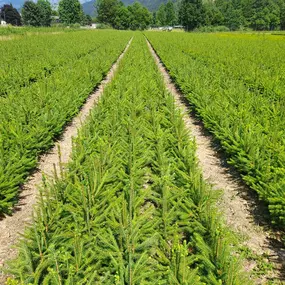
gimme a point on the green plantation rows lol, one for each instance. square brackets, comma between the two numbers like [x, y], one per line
[26, 60]
[237, 85]
[133, 208]
[36, 114]
[245, 58]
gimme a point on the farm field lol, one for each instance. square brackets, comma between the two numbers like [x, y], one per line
[132, 205]
[44, 82]
[236, 83]
[30, 59]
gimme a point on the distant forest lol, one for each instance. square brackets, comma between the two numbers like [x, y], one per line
[231, 15]
[192, 14]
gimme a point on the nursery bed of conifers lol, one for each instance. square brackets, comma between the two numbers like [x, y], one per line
[132, 207]
[236, 83]
[44, 80]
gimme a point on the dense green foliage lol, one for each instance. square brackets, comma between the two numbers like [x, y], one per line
[235, 15]
[258, 15]
[45, 12]
[107, 10]
[36, 58]
[10, 15]
[133, 208]
[242, 14]
[52, 75]
[70, 11]
[86, 20]
[37, 14]
[236, 84]
[191, 14]
[31, 14]
[114, 13]
[40, 13]
[165, 16]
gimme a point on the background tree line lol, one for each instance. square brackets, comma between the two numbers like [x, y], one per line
[40, 13]
[119, 16]
[10, 15]
[192, 14]
[234, 14]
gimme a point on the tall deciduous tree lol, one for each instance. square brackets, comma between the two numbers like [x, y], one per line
[154, 19]
[191, 14]
[107, 11]
[70, 11]
[45, 12]
[31, 14]
[170, 13]
[122, 19]
[161, 15]
[10, 15]
[266, 15]
[213, 16]
[140, 18]
[256, 14]
[87, 20]
[282, 14]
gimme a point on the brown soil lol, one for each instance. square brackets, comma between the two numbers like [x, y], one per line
[240, 207]
[12, 226]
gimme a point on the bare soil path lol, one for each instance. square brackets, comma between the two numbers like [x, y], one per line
[12, 226]
[242, 211]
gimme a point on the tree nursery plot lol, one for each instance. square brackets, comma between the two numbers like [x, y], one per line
[236, 83]
[26, 60]
[132, 207]
[45, 79]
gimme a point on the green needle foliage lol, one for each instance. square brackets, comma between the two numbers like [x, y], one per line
[34, 112]
[236, 85]
[132, 207]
